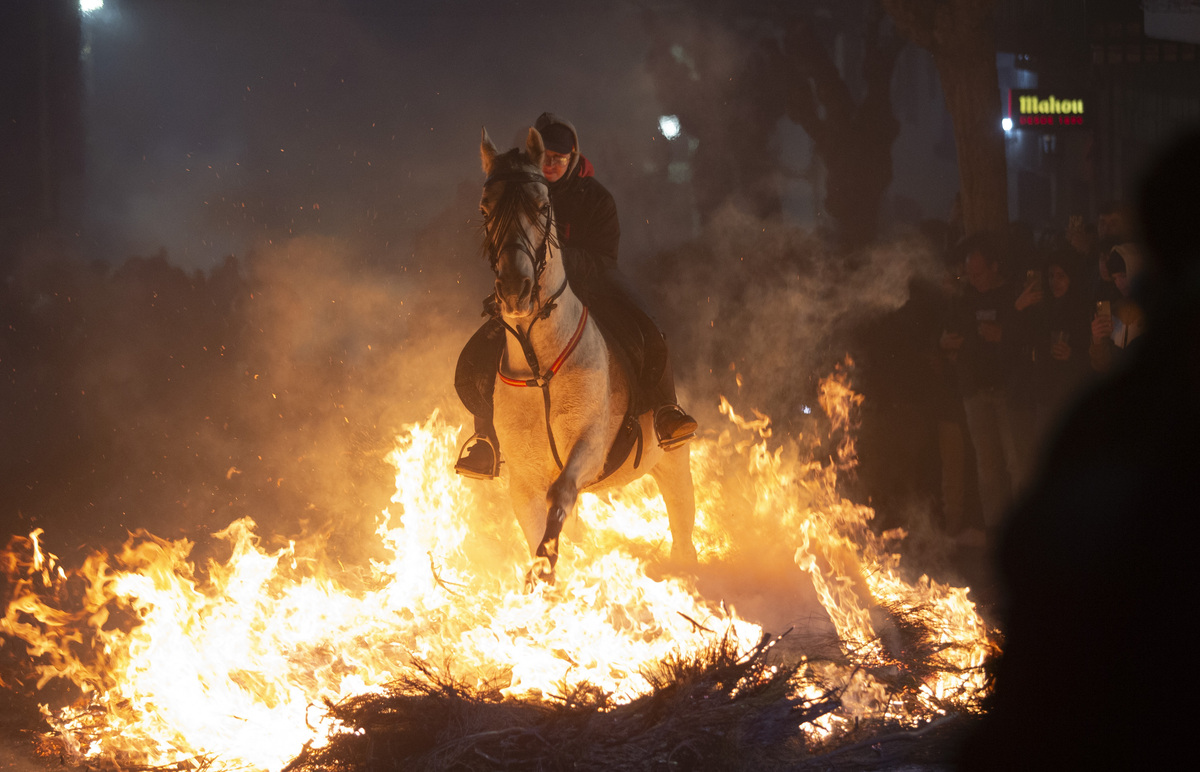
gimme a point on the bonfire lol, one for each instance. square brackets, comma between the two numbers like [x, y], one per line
[277, 656]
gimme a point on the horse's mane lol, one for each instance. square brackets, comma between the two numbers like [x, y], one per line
[514, 202]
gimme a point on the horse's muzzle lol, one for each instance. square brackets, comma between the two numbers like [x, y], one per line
[515, 295]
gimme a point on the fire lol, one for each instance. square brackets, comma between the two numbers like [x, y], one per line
[232, 661]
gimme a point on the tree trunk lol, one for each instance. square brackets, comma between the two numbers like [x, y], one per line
[853, 138]
[972, 90]
[958, 34]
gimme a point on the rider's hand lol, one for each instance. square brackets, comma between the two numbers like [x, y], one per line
[1102, 327]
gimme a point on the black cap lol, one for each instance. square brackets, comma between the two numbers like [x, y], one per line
[558, 139]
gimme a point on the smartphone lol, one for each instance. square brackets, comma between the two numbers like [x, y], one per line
[1103, 308]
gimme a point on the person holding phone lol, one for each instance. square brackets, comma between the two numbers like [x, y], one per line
[1117, 324]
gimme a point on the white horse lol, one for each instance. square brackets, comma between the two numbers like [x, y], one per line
[562, 396]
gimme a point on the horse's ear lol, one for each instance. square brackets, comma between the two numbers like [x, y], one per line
[487, 152]
[535, 146]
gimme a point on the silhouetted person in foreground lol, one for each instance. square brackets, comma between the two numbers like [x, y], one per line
[1099, 557]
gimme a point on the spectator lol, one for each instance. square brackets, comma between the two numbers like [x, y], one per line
[960, 514]
[980, 344]
[1112, 228]
[1118, 324]
[1030, 308]
[1059, 341]
[1115, 225]
[1082, 239]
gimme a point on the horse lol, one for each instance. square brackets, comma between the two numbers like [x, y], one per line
[562, 395]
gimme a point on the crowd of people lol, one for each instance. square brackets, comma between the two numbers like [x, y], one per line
[1026, 323]
[1095, 559]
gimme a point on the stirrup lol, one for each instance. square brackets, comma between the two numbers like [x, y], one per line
[461, 466]
[688, 425]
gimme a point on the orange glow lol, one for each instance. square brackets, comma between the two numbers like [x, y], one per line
[232, 661]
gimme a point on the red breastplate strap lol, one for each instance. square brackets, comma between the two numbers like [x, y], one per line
[542, 380]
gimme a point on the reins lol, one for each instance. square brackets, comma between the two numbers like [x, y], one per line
[539, 259]
[540, 379]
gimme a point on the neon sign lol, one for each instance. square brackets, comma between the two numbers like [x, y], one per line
[1046, 110]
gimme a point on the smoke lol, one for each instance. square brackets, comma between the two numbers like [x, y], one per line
[144, 396]
[273, 386]
[214, 127]
[760, 310]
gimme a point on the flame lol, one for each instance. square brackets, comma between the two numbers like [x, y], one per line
[232, 661]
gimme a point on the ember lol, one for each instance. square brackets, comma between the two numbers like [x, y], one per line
[244, 661]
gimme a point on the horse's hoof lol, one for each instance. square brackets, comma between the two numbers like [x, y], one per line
[541, 573]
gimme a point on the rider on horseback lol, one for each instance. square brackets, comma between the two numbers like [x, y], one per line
[588, 230]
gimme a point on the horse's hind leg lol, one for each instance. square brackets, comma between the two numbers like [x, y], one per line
[673, 474]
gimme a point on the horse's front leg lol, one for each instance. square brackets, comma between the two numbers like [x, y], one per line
[583, 465]
[528, 502]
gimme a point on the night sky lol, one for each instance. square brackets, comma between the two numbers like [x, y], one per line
[213, 125]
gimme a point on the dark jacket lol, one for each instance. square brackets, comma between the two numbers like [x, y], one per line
[981, 364]
[586, 215]
[586, 219]
[1098, 560]
[1070, 314]
[584, 210]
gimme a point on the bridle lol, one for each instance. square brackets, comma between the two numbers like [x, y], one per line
[506, 210]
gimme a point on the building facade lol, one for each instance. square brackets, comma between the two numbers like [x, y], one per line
[1091, 90]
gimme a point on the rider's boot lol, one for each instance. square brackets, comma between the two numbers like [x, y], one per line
[474, 380]
[673, 426]
[479, 458]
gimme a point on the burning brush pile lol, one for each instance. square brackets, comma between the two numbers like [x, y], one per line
[273, 656]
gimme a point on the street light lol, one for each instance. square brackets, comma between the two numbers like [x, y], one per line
[1006, 124]
[87, 6]
[669, 126]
